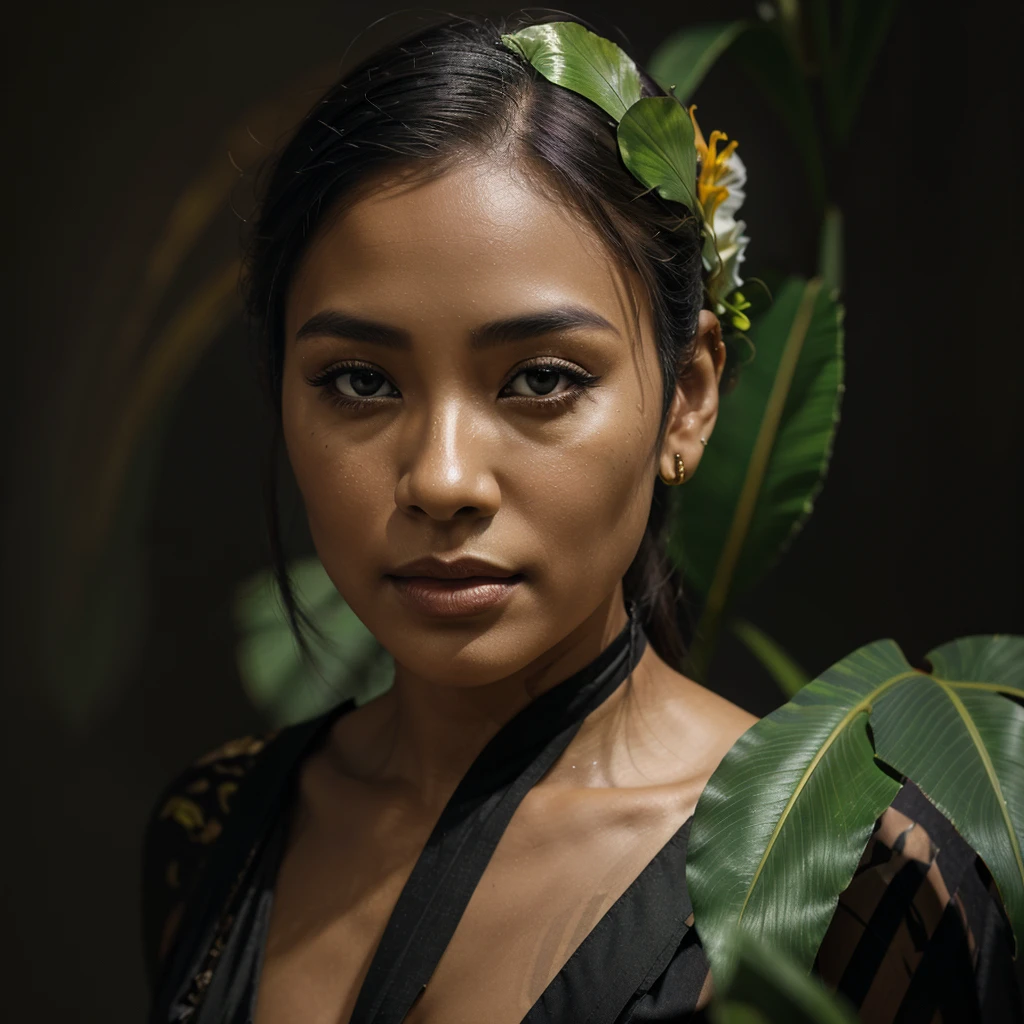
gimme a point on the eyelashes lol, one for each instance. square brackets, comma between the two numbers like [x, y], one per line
[539, 385]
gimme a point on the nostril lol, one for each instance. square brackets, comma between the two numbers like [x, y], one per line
[466, 511]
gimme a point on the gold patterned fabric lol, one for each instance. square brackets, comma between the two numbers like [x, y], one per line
[188, 817]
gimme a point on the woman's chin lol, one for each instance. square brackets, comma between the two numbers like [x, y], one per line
[469, 651]
[476, 633]
[450, 657]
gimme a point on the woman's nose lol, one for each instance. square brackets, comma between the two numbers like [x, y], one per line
[447, 471]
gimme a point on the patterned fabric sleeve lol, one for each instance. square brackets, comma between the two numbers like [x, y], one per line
[920, 936]
[185, 821]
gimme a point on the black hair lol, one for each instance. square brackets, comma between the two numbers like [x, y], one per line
[416, 107]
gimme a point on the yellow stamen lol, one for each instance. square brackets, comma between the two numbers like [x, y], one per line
[713, 166]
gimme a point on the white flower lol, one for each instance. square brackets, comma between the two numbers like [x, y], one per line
[720, 194]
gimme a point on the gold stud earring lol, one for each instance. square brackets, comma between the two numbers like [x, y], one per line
[680, 472]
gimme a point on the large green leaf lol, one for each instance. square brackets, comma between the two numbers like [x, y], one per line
[783, 821]
[765, 462]
[657, 145]
[681, 62]
[572, 56]
[276, 678]
[963, 744]
[762, 986]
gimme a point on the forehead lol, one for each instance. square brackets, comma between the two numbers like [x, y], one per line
[478, 241]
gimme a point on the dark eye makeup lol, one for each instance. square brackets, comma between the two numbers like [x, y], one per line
[545, 383]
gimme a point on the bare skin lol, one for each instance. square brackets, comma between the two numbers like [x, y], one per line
[450, 446]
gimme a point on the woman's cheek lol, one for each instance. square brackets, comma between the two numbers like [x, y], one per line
[348, 498]
[588, 505]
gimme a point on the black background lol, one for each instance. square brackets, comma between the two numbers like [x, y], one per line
[111, 108]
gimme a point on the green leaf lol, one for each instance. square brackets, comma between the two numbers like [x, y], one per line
[682, 61]
[790, 24]
[987, 663]
[275, 676]
[830, 252]
[963, 744]
[783, 821]
[737, 1013]
[765, 56]
[572, 56]
[764, 986]
[656, 143]
[766, 460]
[780, 666]
[865, 24]
[781, 824]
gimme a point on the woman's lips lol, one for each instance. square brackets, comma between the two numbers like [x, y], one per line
[451, 598]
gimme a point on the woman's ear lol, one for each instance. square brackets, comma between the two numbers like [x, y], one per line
[694, 408]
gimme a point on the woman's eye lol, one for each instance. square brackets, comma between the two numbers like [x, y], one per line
[363, 384]
[539, 381]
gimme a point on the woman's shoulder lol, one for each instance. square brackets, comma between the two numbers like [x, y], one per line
[689, 709]
[195, 801]
[184, 823]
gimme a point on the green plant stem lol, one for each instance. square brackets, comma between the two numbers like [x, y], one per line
[718, 593]
[789, 676]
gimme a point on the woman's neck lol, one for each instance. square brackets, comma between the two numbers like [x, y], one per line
[423, 735]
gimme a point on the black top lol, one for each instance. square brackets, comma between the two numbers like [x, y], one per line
[922, 929]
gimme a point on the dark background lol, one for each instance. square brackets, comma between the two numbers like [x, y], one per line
[112, 108]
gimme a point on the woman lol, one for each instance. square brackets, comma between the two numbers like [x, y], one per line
[490, 352]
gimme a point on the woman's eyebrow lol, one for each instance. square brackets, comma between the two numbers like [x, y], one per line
[335, 323]
[536, 324]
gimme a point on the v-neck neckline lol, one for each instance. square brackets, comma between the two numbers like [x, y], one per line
[572, 983]
[456, 854]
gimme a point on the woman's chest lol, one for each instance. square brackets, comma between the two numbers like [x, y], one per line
[562, 863]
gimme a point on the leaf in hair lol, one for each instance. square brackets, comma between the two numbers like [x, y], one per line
[656, 143]
[572, 56]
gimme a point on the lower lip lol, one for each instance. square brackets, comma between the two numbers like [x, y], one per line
[454, 598]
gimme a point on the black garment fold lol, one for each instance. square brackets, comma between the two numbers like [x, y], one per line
[230, 912]
[471, 825]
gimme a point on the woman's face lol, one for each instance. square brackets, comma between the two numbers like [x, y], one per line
[462, 380]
